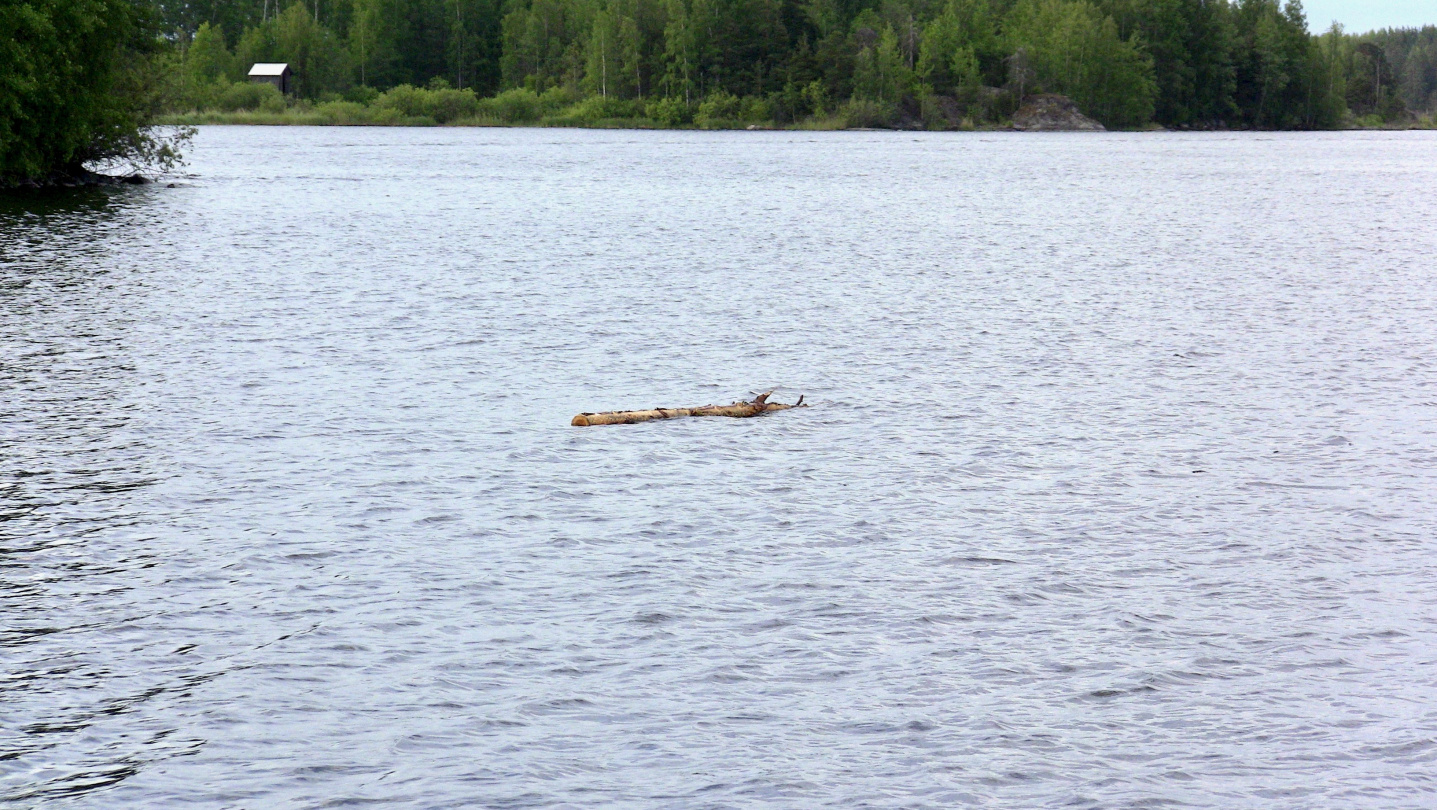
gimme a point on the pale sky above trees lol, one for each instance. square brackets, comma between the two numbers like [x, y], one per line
[1358, 16]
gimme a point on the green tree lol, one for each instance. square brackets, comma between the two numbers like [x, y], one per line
[903, 18]
[979, 26]
[1210, 57]
[1075, 50]
[880, 73]
[545, 44]
[1280, 75]
[895, 78]
[1417, 68]
[182, 18]
[207, 58]
[320, 63]
[614, 63]
[681, 52]
[745, 45]
[1164, 27]
[370, 51]
[1336, 50]
[602, 72]
[1371, 86]
[79, 84]
[472, 30]
[824, 15]
[947, 60]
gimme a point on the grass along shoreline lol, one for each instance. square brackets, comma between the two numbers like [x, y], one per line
[440, 105]
[257, 104]
[320, 117]
[335, 118]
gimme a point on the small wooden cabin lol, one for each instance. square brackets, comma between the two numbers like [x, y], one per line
[275, 73]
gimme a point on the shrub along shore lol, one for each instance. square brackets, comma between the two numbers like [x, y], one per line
[439, 104]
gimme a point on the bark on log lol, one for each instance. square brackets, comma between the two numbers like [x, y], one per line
[760, 405]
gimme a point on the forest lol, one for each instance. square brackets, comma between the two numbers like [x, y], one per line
[938, 64]
[84, 83]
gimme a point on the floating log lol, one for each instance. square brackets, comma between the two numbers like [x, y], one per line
[759, 405]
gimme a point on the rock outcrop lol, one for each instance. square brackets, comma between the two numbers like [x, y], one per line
[1052, 113]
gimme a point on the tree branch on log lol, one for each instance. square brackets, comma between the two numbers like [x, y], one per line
[759, 405]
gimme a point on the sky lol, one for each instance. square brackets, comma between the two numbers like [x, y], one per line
[1359, 16]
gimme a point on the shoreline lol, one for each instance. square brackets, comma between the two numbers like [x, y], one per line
[320, 119]
[78, 178]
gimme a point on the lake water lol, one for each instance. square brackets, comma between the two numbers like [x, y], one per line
[1119, 487]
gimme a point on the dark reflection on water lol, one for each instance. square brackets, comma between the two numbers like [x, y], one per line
[1117, 490]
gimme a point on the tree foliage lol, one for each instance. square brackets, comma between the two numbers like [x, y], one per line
[319, 60]
[1073, 49]
[1128, 63]
[79, 84]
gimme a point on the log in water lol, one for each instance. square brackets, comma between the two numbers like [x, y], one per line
[740, 409]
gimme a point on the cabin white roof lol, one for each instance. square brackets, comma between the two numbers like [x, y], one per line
[269, 69]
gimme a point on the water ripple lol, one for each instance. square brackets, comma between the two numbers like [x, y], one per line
[1115, 491]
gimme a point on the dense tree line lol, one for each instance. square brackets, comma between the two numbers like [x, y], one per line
[1180, 63]
[1389, 70]
[82, 80]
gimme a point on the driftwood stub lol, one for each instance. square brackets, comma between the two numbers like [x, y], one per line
[759, 405]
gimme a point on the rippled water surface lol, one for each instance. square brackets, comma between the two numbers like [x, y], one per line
[1117, 491]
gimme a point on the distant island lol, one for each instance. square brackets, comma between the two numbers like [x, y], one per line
[85, 82]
